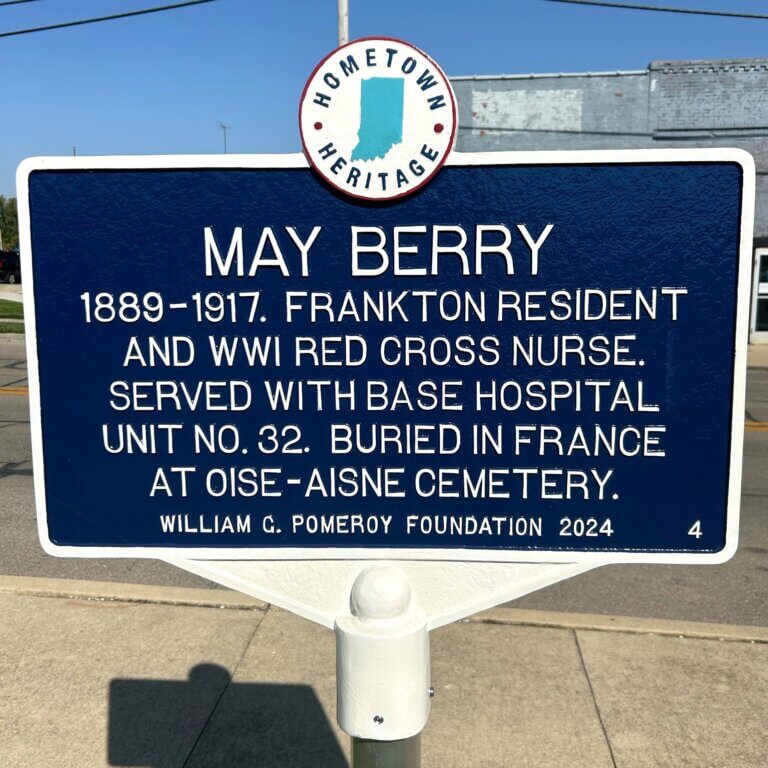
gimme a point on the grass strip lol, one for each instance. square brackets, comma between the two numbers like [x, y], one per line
[11, 310]
[11, 327]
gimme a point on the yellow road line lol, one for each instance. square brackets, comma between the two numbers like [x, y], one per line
[756, 426]
[17, 391]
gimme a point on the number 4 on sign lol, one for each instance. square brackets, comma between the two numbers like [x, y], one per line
[695, 529]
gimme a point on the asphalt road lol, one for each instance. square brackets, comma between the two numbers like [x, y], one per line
[733, 593]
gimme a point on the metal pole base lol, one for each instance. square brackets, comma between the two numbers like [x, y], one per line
[404, 753]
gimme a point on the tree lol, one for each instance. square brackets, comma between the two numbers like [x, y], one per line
[9, 223]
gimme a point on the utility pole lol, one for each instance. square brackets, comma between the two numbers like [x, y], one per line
[74, 151]
[224, 129]
[343, 22]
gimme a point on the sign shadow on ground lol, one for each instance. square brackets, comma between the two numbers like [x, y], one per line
[210, 721]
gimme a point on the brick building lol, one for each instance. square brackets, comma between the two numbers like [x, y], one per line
[719, 103]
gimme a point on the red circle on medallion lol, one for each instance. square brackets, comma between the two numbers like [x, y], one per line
[439, 127]
[318, 126]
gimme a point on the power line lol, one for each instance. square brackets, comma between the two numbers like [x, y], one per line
[662, 9]
[125, 15]
[17, 2]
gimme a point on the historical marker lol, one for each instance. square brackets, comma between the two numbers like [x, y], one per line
[534, 356]
[537, 356]
[381, 350]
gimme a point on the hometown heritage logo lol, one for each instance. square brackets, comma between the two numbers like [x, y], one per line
[377, 118]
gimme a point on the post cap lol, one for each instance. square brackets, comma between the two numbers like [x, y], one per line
[380, 592]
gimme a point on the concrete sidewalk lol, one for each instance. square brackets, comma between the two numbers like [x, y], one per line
[116, 675]
[757, 356]
[11, 293]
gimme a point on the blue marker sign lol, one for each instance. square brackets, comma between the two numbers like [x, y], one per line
[535, 357]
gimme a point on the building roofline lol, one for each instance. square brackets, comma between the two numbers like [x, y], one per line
[698, 66]
[553, 75]
[663, 65]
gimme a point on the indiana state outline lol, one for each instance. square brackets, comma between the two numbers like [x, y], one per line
[381, 117]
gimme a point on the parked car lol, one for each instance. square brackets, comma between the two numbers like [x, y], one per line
[10, 267]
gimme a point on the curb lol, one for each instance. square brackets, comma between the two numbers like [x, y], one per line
[693, 630]
[31, 586]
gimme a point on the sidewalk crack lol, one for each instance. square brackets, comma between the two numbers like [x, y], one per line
[594, 699]
[209, 719]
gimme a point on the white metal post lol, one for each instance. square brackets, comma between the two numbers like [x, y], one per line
[343, 22]
[382, 670]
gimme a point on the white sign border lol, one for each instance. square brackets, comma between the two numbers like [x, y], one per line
[217, 162]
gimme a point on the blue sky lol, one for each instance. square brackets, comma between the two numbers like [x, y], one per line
[162, 83]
